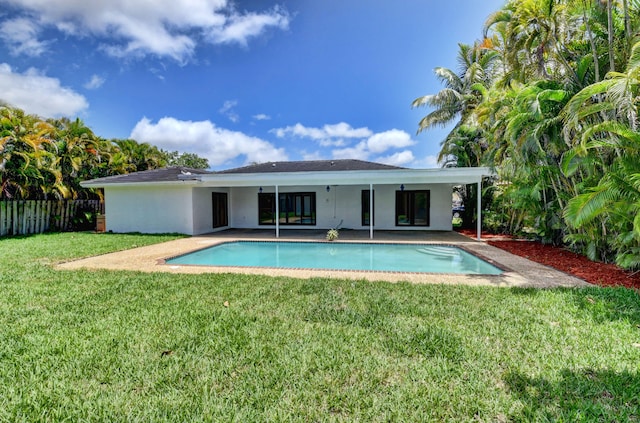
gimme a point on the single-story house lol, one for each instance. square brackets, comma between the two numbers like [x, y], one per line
[318, 194]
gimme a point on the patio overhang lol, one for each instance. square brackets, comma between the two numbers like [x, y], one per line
[454, 176]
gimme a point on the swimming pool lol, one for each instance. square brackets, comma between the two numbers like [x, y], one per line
[415, 258]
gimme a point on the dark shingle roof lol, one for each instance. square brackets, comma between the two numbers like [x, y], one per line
[311, 166]
[180, 173]
[166, 174]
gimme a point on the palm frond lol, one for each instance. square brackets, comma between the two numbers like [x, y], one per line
[552, 95]
[611, 127]
[633, 64]
[503, 15]
[421, 101]
[583, 208]
[440, 117]
[573, 107]
[448, 77]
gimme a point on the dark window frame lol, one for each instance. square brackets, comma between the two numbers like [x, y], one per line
[407, 199]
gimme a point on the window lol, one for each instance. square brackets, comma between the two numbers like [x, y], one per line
[365, 207]
[219, 208]
[412, 208]
[296, 208]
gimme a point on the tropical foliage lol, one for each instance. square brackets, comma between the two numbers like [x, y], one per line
[549, 98]
[47, 159]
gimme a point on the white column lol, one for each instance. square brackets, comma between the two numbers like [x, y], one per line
[479, 209]
[277, 213]
[370, 211]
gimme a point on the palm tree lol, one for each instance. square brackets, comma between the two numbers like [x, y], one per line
[77, 148]
[28, 165]
[140, 156]
[535, 35]
[608, 214]
[602, 121]
[457, 101]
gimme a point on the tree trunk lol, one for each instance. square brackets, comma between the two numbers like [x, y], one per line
[594, 50]
[612, 62]
[627, 25]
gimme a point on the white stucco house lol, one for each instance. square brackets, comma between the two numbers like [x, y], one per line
[318, 194]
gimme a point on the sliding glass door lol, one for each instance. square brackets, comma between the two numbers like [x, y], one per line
[412, 208]
[296, 208]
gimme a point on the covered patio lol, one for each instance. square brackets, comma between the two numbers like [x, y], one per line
[391, 183]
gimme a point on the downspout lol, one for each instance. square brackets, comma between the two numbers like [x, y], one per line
[370, 211]
[479, 209]
[277, 213]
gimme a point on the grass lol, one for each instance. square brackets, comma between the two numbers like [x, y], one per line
[128, 346]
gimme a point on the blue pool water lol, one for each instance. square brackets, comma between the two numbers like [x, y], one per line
[341, 256]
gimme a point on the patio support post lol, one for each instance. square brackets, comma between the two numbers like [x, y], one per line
[370, 211]
[277, 213]
[480, 209]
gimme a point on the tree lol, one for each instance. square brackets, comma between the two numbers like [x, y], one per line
[78, 149]
[28, 167]
[456, 103]
[192, 160]
[140, 156]
[563, 140]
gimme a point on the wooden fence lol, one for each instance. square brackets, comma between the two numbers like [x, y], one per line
[24, 217]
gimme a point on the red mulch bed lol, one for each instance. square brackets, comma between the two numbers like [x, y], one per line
[566, 261]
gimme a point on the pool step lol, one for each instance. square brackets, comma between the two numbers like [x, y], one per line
[439, 251]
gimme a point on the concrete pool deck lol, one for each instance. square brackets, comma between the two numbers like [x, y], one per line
[519, 272]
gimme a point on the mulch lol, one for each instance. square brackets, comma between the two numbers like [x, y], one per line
[560, 258]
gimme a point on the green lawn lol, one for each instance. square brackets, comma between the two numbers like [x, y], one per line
[122, 346]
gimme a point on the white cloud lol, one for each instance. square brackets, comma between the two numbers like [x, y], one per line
[219, 145]
[327, 132]
[398, 159]
[354, 143]
[316, 155]
[21, 35]
[345, 130]
[261, 116]
[239, 28]
[340, 142]
[39, 94]
[383, 141]
[95, 82]
[166, 28]
[431, 161]
[227, 110]
[358, 152]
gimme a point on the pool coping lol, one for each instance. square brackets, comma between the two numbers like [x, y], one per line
[518, 271]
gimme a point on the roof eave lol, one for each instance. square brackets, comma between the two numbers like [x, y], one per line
[89, 184]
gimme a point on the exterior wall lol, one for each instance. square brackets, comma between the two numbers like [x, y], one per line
[202, 210]
[243, 208]
[162, 209]
[149, 209]
[343, 204]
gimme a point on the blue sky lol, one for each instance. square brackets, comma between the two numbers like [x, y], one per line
[240, 82]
